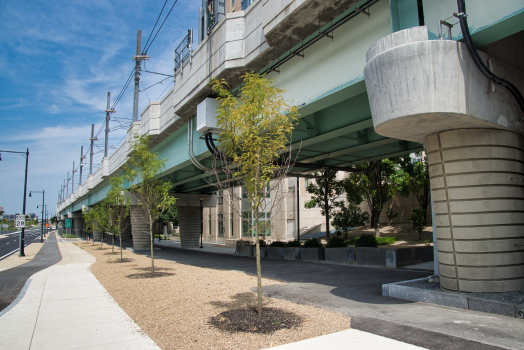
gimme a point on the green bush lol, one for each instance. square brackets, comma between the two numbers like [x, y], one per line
[262, 243]
[293, 244]
[380, 240]
[313, 243]
[336, 242]
[386, 240]
[366, 240]
[277, 244]
[418, 218]
[391, 214]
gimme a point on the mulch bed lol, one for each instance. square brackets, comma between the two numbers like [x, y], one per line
[248, 320]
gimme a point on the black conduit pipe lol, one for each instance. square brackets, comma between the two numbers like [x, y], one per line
[478, 61]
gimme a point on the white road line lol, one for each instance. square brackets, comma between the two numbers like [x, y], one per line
[5, 256]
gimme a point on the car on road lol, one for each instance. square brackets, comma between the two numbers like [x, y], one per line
[53, 227]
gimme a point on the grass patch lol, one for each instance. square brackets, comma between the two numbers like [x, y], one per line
[68, 235]
[380, 240]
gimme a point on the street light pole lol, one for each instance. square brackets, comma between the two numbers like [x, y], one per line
[22, 233]
[43, 203]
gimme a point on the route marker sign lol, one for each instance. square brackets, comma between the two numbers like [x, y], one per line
[69, 223]
[20, 221]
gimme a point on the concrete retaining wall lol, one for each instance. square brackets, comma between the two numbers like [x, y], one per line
[390, 258]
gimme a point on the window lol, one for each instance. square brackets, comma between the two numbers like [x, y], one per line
[209, 224]
[248, 222]
[231, 226]
[220, 197]
[306, 182]
[220, 224]
[245, 4]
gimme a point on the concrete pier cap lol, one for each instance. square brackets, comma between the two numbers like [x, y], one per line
[429, 91]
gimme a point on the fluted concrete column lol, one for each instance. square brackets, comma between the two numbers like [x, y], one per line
[189, 223]
[78, 224]
[97, 235]
[127, 232]
[139, 229]
[476, 180]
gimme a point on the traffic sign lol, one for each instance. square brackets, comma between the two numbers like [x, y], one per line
[46, 225]
[20, 221]
[68, 223]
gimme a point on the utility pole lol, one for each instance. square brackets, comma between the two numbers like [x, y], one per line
[138, 58]
[67, 192]
[73, 179]
[93, 139]
[108, 112]
[298, 208]
[81, 165]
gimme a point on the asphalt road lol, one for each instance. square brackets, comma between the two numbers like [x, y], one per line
[357, 292]
[10, 244]
[12, 280]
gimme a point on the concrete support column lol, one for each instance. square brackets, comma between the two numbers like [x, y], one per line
[127, 232]
[78, 224]
[97, 235]
[477, 186]
[189, 223]
[139, 229]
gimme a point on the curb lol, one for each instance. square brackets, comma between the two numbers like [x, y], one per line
[18, 298]
[462, 301]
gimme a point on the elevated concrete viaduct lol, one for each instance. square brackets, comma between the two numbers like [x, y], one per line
[372, 79]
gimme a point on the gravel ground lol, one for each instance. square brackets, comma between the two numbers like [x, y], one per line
[177, 308]
[509, 297]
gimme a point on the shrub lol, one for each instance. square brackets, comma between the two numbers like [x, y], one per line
[262, 243]
[386, 240]
[418, 217]
[293, 244]
[277, 244]
[366, 240]
[336, 242]
[313, 243]
[391, 214]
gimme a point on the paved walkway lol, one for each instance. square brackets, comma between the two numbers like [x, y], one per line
[65, 307]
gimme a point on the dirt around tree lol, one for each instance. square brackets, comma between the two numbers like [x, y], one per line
[248, 320]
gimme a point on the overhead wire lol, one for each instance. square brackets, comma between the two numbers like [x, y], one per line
[158, 31]
[158, 18]
[120, 126]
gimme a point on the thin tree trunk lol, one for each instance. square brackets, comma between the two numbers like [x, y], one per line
[113, 243]
[121, 258]
[259, 269]
[326, 207]
[152, 257]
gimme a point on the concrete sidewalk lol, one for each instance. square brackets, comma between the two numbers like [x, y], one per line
[350, 339]
[65, 307]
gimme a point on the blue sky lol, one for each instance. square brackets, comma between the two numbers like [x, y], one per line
[58, 60]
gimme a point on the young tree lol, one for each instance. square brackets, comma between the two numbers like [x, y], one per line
[254, 133]
[100, 221]
[326, 191]
[169, 215]
[351, 215]
[117, 205]
[94, 219]
[414, 178]
[152, 194]
[377, 185]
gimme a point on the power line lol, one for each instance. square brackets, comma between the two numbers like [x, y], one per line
[150, 86]
[158, 18]
[158, 31]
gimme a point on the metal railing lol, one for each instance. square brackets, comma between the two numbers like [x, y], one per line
[184, 51]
